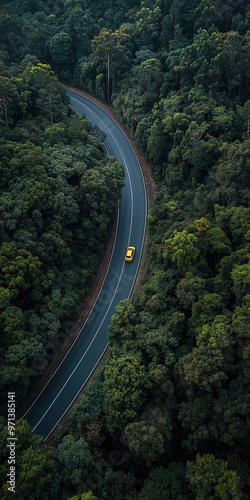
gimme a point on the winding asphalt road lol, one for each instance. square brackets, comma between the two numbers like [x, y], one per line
[90, 345]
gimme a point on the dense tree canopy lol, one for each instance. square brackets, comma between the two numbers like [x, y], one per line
[169, 414]
[59, 196]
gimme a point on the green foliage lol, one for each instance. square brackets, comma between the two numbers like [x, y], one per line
[240, 320]
[220, 416]
[167, 483]
[149, 77]
[209, 477]
[202, 225]
[217, 335]
[19, 270]
[62, 54]
[74, 458]
[109, 52]
[47, 88]
[148, 438]
[203, 369]
[124, 385]
[34, 464]
[206, 309]
[240, 278]
[123, 322]
[189, 289]
[119, 486]
[88, 496]
[177, 74]
[148, 22]
[182, 249]
[55, 200]
[244, 112]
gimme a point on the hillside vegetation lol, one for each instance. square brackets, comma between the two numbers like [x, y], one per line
[169, 415]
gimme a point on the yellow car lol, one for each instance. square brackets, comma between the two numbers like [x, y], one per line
[130, 254]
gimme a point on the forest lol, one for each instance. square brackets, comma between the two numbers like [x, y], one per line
[168, 416]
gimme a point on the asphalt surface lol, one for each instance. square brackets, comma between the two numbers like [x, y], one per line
[90, 345]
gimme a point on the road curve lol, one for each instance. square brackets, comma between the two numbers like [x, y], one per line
[92, 341]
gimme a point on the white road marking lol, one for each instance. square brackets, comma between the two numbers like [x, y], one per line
[131, 218]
